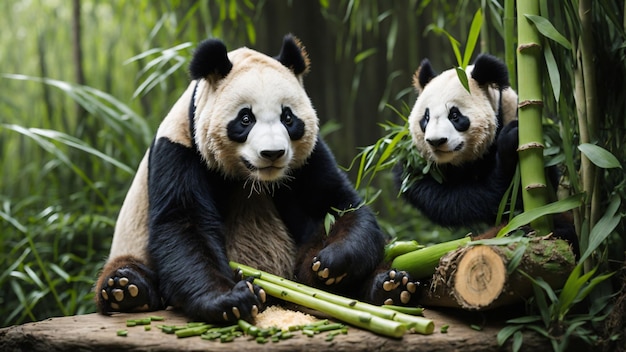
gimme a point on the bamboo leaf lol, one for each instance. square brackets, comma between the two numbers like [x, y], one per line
[460, 72]
[547, 29]
[604, 227]
[364, 55]
[472, 38]
[570, 289]
[518, 338]
[553, 72]
[599, 156]
[552, 208]
[506, 332]
[592, 284]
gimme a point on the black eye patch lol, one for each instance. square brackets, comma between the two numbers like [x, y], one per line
[294, 126]
[425, 119]
[239, 128]
[460, 122]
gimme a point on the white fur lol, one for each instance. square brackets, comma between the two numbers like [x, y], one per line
[481, 106]
[265, 86]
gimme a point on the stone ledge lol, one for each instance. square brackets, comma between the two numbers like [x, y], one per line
[94, 332]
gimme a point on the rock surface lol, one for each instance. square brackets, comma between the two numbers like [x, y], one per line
[93, 332]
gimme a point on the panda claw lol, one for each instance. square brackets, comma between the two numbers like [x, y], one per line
[387, 286]
[324, 273]
[389, 301]
[110, 282]
[105, 295]
[123, 281]
[254, 311]
[316, 265]
[411, 287]
[250, 286]
[330, 281]
[225, 316]
[236, 312]
[262, 295]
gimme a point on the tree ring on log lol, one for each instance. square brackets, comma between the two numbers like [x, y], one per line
[480, 277]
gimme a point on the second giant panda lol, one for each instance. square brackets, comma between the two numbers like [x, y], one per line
[469, 138]
[238, 172]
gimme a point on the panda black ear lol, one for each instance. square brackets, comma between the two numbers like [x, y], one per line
[489, 69]
[293, 56]
[210, 59]
[423, 75]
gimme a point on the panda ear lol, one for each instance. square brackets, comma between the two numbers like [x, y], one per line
[423, 75]
[489, 69]
[293, 56]
[210, 59]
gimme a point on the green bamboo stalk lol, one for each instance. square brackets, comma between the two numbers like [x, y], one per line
[416, 324]
[363, 320]
[422, 263]
[529, 54]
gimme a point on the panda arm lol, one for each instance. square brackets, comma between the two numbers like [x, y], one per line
[354, 243]
[471, 193]
[186, 242]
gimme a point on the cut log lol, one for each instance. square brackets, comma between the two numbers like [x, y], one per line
[478, 277]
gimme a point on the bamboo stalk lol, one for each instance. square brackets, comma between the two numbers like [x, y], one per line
[417, 324]
[423, 262]
[534, 192]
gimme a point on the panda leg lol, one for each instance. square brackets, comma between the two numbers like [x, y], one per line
[126, 284]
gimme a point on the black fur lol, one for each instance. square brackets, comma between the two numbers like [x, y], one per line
[291, 55]
[294, 126]
[210, 58]
[239, 128]
[470, 193]
[187, 204]
[425, 73]
[489, 69]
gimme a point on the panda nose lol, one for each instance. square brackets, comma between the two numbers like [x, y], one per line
[272, 154]
[437, 142]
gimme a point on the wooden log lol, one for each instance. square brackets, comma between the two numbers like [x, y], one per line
[478, 277]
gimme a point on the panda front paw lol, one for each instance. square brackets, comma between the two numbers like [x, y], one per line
[244, 301]
[128, 290]
[325, 274]
[394, 287]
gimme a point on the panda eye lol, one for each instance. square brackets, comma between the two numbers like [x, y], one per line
[287, 117]
[427, 115]
[245, 117]
[454, 115]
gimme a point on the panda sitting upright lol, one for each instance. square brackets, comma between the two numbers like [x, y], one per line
[237, 172]
[469, 139]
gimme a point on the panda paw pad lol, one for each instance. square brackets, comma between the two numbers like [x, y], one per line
[324, 274]
[398, 288]
[126, 292]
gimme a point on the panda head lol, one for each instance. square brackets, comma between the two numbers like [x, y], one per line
[253, 119]
[450, 125]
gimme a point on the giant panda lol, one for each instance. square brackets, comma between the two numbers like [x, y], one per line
[469, 139]
[238, 172]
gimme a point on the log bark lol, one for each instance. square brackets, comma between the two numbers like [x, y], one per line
[478, 277]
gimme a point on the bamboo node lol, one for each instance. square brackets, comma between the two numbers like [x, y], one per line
[534, 186]
[528, 46]
[529, 102]
[530, 145]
